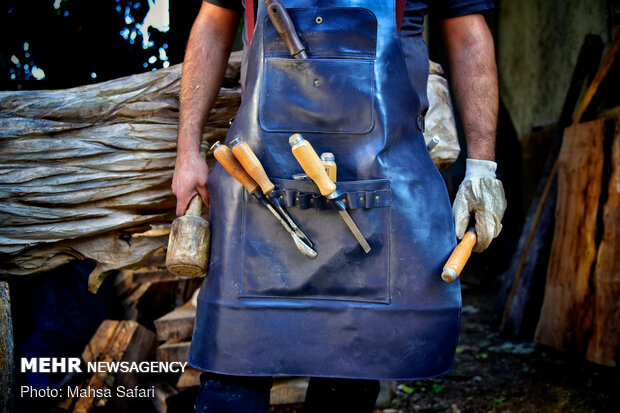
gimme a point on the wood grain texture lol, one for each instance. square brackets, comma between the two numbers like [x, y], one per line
[173, 350]
[225, 156]
[177, 324]
[246, 157]
[567, 312]
[460, 255]
[526, 274]
[89, 162]
[114, 341]
[604, 344]
[6, 350]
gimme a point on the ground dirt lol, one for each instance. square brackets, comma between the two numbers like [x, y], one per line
[494, 374]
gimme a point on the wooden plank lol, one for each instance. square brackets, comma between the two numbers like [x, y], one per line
[604, 343]
[6, 350]
[173, 351]
[525, 276]
[151, 274]
[177, 324]
[152, 300]
[189, 378]
[113, 341]
[288, 390]
[566, 315]
[596, 87]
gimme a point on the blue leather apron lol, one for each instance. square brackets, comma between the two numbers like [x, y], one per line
[265, 309]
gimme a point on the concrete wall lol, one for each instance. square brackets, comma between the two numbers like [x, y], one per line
[538, 44]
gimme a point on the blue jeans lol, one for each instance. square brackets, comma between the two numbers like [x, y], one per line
[245, 394]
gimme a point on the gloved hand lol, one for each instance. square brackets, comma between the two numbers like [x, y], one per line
[483, 195]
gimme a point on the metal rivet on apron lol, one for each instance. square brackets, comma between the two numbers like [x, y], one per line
[319, 20]
[297, 199]
[344, 200]
[281, 196]
[361, 198]
[421, 123]
[317, 82]
[377, 197]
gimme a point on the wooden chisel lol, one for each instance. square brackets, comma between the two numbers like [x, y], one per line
[312, 165]
[245, 155]
[459, 256]
[225, 157]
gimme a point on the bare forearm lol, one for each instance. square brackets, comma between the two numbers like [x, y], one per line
[474, 76]
[204, 67]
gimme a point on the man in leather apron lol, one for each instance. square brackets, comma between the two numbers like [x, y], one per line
[345, 318]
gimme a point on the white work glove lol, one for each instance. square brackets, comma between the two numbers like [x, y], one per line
[483, 195]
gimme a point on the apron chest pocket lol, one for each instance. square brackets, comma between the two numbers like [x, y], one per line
[333, 90]
[272, 267]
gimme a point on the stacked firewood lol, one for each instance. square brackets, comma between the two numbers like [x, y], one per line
[159, 310]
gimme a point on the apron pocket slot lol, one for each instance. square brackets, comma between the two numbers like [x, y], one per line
[317, 95]
[271, 266]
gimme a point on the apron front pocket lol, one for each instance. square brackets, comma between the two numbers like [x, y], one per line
[317, 95]
[333, 90]
[272, 267]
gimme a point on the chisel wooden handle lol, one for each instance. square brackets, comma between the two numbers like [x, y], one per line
[328, 160]
[311, 163]
[225, 156]
[459, 257]
[251, 164]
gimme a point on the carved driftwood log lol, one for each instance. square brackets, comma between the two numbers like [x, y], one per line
[83, 169]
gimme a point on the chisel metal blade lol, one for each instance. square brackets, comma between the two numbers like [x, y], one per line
[355, 230]
[291, 223]
[248, 159]
[301, 246]
[312, 165]
[225, 156]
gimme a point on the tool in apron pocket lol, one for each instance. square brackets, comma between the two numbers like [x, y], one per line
[226, 157]
[312, 165]
[245, 155]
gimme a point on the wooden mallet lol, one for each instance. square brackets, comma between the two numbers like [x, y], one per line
[189, 242]
[459, 256]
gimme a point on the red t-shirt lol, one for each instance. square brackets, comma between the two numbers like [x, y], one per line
[448, 8]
